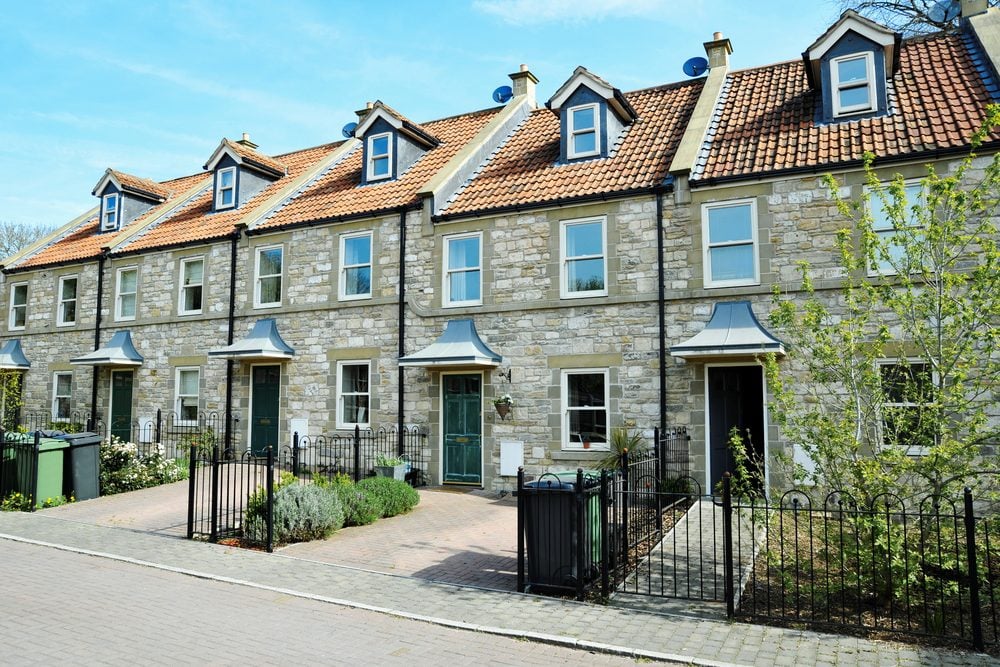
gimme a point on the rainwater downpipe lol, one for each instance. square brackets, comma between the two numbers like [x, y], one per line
[402, 330]
[234, 242]
[661, 301]
[97, 334]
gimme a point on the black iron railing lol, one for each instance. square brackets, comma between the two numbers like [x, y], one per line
[231, 493]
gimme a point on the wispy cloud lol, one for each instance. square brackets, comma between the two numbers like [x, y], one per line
[532, 12]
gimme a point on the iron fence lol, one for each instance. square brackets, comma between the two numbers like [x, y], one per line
[164, 432]
[927, 569]
[19, 466]
[231, 493]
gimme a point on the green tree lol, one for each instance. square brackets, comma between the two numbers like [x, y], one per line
[895, 376]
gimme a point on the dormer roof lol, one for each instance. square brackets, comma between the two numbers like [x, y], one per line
[582, 76]
[244, 155]
[142, 187]
[398, 121]
[851, 21]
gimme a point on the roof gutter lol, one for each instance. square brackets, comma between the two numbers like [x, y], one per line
[848, 165]
[534, 206]
[257, 231]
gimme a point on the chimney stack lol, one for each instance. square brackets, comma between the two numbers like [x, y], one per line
[245, 141]
[524, 83]
[718, 51]
[363, 113]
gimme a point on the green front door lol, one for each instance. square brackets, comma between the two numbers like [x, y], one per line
[265, 384]
[463, 447]
[121, 404]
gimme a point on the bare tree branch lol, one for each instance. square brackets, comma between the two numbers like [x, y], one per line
[14, 236]
[910, 17]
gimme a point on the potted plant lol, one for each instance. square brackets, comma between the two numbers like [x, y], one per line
[503, 404]
[390, 466]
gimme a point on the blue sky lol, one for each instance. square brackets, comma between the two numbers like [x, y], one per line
[150, 88]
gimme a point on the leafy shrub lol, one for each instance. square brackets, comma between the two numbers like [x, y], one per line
[18, 502]
[301, 513]
[360, 507]
[257, 502]
[395, 496]
[124, 468]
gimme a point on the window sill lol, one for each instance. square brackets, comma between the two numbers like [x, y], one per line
[579, 454]
[63, 325]
[259, 306]
[353, 297]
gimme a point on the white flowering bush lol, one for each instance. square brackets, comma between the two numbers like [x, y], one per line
[125, 468]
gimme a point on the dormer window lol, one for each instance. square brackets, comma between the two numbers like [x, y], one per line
[851, 67]
[124, 198]
[583, 131]
[109, 212]
[852, 82]
[380, 156]
[240, 173]
[390, 143]
[593, 115]
[225, 188]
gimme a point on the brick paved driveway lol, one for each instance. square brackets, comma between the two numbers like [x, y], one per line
[452, 536]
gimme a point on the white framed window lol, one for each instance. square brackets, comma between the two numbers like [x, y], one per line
[379, 156]
[852, 83]
[582, 248]
[907, 387]
[583, 131]
[62, 396]
[126, 293]
[729, 230]
[887, 229]
[463, 258]
[192, 279]
[267, 283]
[186, 392]
[109, 212]
[17, 315]
[585, 409]
[66, 306]
[353, 393]
[356, 266]
[225, 188]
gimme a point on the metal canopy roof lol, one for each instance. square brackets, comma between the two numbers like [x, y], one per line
[118, 351]
[459, 346]
[263, 342]
[733, 330]
[12, 357]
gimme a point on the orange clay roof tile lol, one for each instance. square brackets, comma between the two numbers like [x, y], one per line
[85, 242]
[940, 100]
[253, 157]
[141, 185]
[197, 222]
[337, 193]
[526, 170]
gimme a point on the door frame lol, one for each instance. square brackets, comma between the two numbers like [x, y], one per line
[111, 395]
[482, 426]
[708, 417]
[281, 377]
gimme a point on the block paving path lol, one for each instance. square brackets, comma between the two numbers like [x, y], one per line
[561, 622]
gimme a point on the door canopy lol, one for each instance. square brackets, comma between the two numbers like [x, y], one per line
[458, 347]
[732, 331]
[263, 343]
[12, 357]
[119, 351]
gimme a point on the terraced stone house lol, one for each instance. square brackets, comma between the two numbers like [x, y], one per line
[605, 258]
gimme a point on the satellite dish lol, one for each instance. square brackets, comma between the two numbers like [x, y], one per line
[348, 130]
[695, 66]
[502, 94]
[945, 11]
